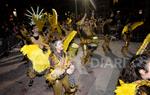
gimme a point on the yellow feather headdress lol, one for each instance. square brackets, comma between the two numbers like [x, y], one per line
[36, 18]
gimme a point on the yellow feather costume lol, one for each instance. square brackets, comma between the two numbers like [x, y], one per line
[68, 40]
[59, 68]
[40, 61]
[130, 88]
[53, 19]
[144, 45]
[39, 22]
[133, 26]
[126, 88]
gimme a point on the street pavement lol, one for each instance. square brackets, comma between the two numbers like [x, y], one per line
[101, 81]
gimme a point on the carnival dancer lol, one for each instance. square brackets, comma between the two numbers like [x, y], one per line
[107, 38]
[89, 41]
[61, 70]
[37, 38]
[37, 52]
[134, 79]
[126, 34]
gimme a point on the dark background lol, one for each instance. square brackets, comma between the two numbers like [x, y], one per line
[128, 8]
[103, 6]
